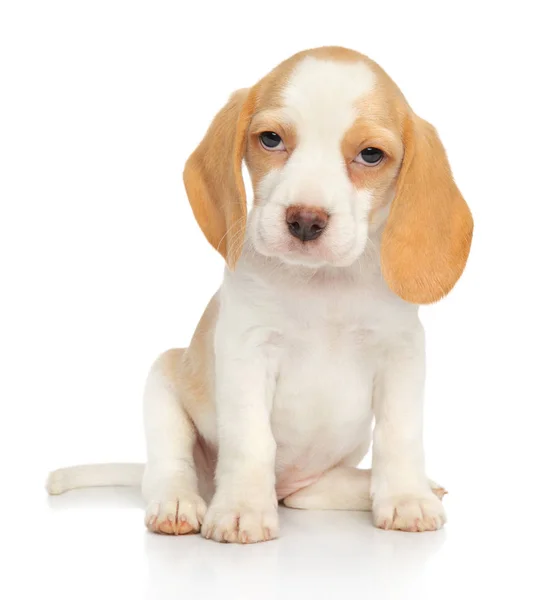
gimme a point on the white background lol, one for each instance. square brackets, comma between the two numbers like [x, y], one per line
[103, 267]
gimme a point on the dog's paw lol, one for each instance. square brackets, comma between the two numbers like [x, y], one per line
[409, 513]
[241, 524]
[176, 516]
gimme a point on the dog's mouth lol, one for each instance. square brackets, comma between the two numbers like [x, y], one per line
[272, 238]
[313, 254]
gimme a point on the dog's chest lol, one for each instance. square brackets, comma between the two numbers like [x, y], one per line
[326, 362]
[324, 341]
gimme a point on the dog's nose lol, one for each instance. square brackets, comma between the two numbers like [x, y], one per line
[306, 223]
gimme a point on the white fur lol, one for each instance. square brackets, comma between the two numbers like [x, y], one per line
[82, 476]
[310, 345]
[323, 349]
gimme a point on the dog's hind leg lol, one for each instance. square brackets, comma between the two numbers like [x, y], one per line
[170, 486]
[340, 488]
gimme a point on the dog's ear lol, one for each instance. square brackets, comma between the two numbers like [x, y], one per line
[428, 234]
[213, 177]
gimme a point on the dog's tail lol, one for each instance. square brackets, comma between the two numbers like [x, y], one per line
[84, 476]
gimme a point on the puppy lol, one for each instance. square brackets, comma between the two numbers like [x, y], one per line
[314, 333]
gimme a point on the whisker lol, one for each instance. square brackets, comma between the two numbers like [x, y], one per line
[228, 230]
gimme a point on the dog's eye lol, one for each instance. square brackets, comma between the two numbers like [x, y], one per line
[370, 157]
[271, 141]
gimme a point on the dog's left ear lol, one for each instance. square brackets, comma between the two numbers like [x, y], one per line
[213, 177]
[428, 234]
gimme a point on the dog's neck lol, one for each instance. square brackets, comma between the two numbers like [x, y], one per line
[355, 295]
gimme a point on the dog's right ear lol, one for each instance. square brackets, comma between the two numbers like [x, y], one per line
[213, 177]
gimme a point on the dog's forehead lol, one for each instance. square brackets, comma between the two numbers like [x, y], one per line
[324, 95]
[328, 88]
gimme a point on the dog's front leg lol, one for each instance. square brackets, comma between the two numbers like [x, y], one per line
[244, 507]
[401, 493]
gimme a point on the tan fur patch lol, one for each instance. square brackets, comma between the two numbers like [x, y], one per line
[428, 234]
[214, 182]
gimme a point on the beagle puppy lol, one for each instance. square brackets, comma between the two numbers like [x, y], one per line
[314, 333]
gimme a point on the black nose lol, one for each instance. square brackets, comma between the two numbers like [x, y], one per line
[306, 223]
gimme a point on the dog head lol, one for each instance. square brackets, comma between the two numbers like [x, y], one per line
[334, 152]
